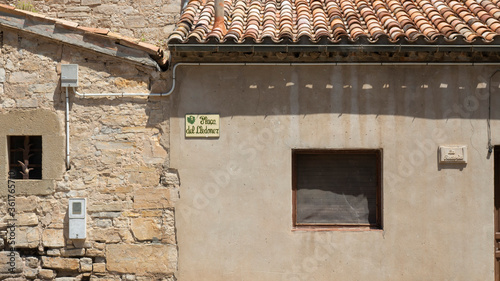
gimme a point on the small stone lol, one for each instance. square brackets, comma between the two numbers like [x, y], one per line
[83, 276]
[99, 246]
[109, 130]
[129, 213]
[11, 277]
[169, 178]
[31, 262]
[94, 253]
[26, 204]
[106, 235]
[152, 198]
[27, 103]
[106, 215]
[9, 65]
[77, 9]
[134, 21]
[103, 223]
[153, 152]
[106, 9]
[147, 177]
[10, 262]
[109, 207]
[61, 263]
[27, 237]
[151, 213]
[90, 2]
[53, 252]
[46, 274]
[99, 267]
[139, 259]
[73, 252]
[81, 244]
[22, 77]
[27, 219]
[2, 75]
[8, 103]
[42, 88]
[53, 238]
[107, 145]
[30, 273]
[16, 90]
[85, 264]
[145, 228]
[173, 9]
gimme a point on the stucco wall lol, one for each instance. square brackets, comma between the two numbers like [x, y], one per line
[234, 217]
[119, 151]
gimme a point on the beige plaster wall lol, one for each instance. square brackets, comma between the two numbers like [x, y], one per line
[119, 150]
[234, 217]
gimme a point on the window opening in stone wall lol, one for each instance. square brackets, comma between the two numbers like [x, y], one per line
[337, 188]
[25, 156]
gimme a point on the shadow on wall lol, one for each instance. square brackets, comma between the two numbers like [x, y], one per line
[433, 92]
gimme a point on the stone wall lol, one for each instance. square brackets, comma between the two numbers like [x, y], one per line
[119, 150]
[149, 20]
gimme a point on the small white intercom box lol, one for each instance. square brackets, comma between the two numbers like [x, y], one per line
[69, 75]
[77, 218]
[453, 154]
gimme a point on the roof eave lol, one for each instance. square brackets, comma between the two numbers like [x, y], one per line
[365, 48]
[92, 39]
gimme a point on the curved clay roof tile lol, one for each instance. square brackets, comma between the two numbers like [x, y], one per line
[334, 20]
[490, 36]
[484, 17]
[337, 24]
[495, 27]
[490, 21]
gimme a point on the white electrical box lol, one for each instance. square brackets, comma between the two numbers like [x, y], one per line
[69, 75]
[453, 154]
[77, 218]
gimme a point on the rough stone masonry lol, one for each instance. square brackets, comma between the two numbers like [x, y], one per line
[119, 162]
[150, 21]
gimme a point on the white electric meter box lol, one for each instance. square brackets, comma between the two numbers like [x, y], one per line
[77, 218]
[69, 75]
[453, 154]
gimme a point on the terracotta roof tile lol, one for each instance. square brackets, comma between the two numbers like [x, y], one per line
[7, 7]
[66, 23]
[333, 21]
[102, 31]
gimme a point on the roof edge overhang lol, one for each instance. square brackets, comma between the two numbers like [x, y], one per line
[349, 48]
[91, 39]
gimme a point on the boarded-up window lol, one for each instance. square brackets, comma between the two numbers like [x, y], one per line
[337, 188]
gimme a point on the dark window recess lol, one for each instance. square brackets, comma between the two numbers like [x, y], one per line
[25, 156]
[338, 188]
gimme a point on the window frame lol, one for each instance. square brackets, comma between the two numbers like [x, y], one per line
[378, 225]
[37, 151]
[38, 122]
